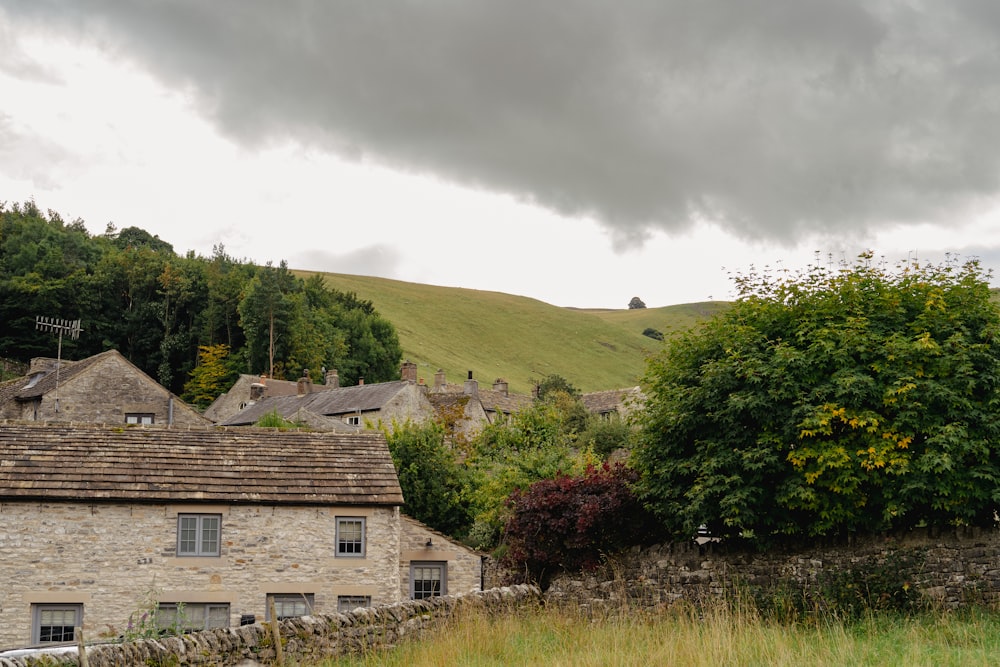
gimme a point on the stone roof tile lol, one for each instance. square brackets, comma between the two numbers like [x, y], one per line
[160, 464]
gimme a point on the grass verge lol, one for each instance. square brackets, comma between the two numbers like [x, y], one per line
[719, 636]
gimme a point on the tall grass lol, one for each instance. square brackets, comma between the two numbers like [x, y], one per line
[722, 635]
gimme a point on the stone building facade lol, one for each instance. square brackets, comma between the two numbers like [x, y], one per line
[210, 525]
[103, 389]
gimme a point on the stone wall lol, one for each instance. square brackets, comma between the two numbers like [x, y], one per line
[307, 639]
[103, 394]
[111, 557]
[418, 543]
[947, 569]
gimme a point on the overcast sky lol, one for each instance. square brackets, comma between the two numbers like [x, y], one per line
[577, 152]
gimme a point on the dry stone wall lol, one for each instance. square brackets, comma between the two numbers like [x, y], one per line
[307, 639]
[944, 569]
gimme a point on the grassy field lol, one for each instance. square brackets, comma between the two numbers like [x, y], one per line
[715, 638]
[517, 338]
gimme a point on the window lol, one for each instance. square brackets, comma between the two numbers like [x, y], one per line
[354, 420]
[139, 417]
[198, 534]
[351, 537]
[428, 579]
[290, 605]
[350, 602]
[52, 623]
[178, 617]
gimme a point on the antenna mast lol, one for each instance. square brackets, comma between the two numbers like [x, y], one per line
[53, 325]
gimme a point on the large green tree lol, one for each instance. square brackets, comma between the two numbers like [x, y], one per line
[848, 399]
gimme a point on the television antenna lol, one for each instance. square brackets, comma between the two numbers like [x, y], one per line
[54, 325]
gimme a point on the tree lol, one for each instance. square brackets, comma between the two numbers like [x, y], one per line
[573, 522]
[829, 402]
[433, 482]
[636, 303]
[211, 377]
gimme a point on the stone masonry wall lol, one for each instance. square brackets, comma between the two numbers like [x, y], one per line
[110, 557]
[464, 567]
[948, 569]
[308, 639]
[104, 393]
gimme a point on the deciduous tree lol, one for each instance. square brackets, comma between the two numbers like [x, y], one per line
[854, 398]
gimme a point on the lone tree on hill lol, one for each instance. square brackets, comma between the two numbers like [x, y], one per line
[636, 303]
[841, 400]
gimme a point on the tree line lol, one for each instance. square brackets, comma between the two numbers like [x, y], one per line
[165, 312]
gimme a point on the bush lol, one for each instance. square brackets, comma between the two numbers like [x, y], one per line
[571, 523]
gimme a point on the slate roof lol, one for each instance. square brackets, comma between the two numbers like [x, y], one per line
[339, 401]
[22, 389]
[153, 464]
[612, 400]
[497, 401]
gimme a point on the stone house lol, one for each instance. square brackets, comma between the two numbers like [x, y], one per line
[495, 403]
[103, 389]
[247, 389]
[613, 402]
[210, 525]
[340, 407]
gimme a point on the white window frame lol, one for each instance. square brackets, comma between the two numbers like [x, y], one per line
[199, 535]
[305, 601]
[142, 418]
[191, 616]
[345, 545]
[346, 603]
[353, 420]
[420, 565]
[37, 613]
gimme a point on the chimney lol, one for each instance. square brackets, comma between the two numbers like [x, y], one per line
[361, 381]
[257, 390]
[500, 385]
[408, 371]
[332, 379]
[305, 384]
[439, 380]
[472, 387]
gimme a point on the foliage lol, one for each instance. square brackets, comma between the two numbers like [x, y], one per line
[531, 445]
[434, 484]
[551, 384]
[571, 522]
[605, 436]
[211, 377]
[134, 294]
[274, 420]
[829, 402]
[145, 623]
[636, 303]
[650, 332]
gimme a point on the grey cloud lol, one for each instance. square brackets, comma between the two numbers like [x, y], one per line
[772, 117]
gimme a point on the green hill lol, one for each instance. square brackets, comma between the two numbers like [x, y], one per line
[519, 339]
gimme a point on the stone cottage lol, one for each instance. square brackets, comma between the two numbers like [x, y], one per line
[103, 389]
[210, 526]
[247, 390]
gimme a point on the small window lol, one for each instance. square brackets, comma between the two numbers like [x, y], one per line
[198, 534]
[54, 623]
[353, 420]
[290, 605]
[180, 617]
[428, 579]
[351, 537]
[139, 417]
[347, 603]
